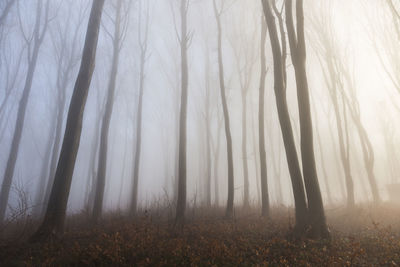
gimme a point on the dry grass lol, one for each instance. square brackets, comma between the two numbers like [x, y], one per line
[364, 236]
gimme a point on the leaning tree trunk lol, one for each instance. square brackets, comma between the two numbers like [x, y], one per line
[181, 202]
[57, 140]
[261, 125]
[105, 126]
[56, 208]
[38, 35]
[298, 53]
[301, 211]
[229, 206]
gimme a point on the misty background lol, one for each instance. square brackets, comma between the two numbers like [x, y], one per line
[364, 39]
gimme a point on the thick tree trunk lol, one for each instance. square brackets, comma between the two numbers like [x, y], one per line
[298, 54]
[265, 208]
[229, 206]
[57, 140]
[105, 127]
[56, 209]
[181, 202]
[286, 126]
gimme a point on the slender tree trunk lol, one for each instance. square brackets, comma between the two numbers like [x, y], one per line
[92, 170]
[229, 206]
[301, 211]
[265, 209]
[277, 170]
[56, 209]
[139, 118]
[325, 173]
[256, 163]
[216, 163]
[38, 36]
[342, 133]
[246, 183]
[181, 202]
[40, 191]
[105, 128]
[298, 54]
[208, 149]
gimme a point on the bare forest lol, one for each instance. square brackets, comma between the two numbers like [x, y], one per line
[199, 133]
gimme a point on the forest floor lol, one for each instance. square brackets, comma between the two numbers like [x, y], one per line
[364, 236]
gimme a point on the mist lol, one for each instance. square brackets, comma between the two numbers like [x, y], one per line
[266, 112]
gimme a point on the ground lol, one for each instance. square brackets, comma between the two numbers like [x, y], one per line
[364, 236]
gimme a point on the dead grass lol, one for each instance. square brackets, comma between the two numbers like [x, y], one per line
[364, 236]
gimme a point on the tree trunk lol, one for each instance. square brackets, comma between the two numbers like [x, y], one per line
[256, 162]
[298, 54]
[57, 140]
[301, 212]
[38, 35]
[246, 184]
[261, 125]
[229, 206]
[139, 118]
[56, 209]
[105, 127]
[208, 133]
[41, 187]
[181, 202]
[216, 162]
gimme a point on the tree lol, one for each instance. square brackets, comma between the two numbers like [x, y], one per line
[323, 45]
[231, 181]
[56, 208]
[297, 44]
[34, 43]
[301, 211]
[245, 57]
[142, 38]
[105, 126]
[261, 125]
[184, 43]
[66, 57]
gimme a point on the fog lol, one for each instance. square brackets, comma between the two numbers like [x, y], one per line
[361, 33]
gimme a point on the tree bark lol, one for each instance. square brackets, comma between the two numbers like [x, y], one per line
[181, 202]
[301, 211]
[265, 208]
[38, 35]
[56, 209]
[297, 44]
[229, 206]
[105, 126]
[139, 114]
